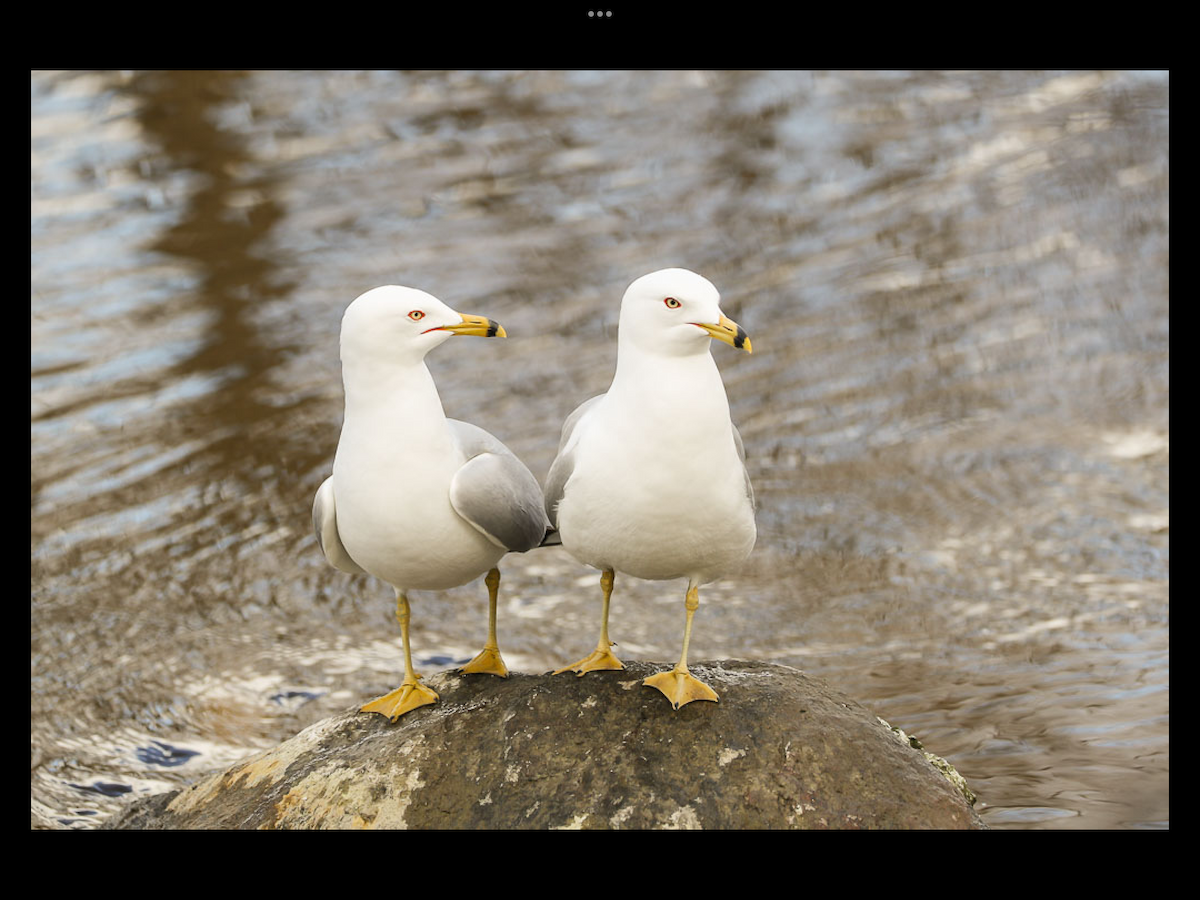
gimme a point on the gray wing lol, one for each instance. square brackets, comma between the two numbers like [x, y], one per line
[741, 450]
[325, 525]
[495, 492]
[564, 462]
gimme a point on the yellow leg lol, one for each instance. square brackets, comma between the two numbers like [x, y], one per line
[411, 693]
[602, 658]
[489, 661]
[679, 685]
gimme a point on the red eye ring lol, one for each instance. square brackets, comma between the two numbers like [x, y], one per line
[672, 303]
[416, 315]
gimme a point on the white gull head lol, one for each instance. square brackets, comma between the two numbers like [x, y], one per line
[675, 312]
[402, 324]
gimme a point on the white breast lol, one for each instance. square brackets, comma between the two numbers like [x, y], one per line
[391, 478]
[658, 494]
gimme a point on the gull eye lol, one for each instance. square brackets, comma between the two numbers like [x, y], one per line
[416, 315]
[672, 303]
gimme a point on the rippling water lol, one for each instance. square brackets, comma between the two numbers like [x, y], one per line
[956, 414]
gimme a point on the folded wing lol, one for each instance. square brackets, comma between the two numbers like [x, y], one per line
[564, 463]
[325, 525]
[495, 492]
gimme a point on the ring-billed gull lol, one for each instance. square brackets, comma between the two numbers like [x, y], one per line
[650, 478]
[418, 500]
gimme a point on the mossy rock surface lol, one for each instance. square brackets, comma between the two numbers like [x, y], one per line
[780, 750]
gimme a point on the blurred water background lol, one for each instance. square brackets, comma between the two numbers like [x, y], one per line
[956, 414]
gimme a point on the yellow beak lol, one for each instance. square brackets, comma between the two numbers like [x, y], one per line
[728, 331]
[480, 326]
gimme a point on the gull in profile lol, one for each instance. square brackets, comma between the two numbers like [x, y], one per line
[418, 500]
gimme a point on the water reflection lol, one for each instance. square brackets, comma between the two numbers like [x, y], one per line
[222, 236]
[957, 416]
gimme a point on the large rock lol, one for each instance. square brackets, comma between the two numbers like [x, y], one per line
[780, 750]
